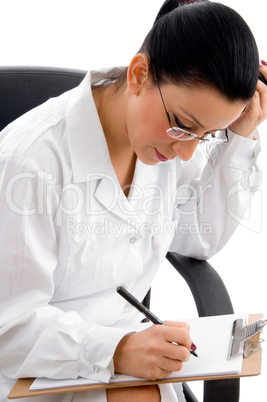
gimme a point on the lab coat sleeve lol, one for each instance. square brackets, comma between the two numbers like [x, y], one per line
[37, 339]
[211, 207]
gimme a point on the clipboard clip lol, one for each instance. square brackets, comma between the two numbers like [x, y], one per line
[241, 334]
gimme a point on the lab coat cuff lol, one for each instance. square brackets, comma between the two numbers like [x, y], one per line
[96, 356]
[240, 152]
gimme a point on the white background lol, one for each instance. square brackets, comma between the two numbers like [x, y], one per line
[91, 34]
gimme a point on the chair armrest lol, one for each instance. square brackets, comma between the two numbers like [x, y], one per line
[211, 298]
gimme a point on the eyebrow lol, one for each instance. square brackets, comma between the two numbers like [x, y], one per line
[193, 118]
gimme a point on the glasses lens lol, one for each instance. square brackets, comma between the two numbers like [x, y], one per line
[180, 134]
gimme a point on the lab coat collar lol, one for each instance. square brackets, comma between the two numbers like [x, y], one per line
[90, 156]
[87, 144]
[112, 197]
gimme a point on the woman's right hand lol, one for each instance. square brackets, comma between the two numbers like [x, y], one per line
[151, 353]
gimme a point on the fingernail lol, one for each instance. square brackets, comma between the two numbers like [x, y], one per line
[193, 347]
[264, 62]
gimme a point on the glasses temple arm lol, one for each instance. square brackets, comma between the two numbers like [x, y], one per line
[157, 81]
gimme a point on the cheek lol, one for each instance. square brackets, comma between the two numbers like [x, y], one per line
[153, 123]
[148, 122]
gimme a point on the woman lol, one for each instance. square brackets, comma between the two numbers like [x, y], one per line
[98, 184]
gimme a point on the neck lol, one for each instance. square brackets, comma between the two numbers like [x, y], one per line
[111, 107]
[111, 110]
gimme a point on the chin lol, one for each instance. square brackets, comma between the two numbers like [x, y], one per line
[148, 161]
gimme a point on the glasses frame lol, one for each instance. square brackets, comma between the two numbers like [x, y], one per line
[191, 136]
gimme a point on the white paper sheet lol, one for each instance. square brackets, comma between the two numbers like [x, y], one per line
[212, 336]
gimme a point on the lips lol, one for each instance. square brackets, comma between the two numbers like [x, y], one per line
[161, 157]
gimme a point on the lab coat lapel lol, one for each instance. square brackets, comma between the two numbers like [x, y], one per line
[144, 188]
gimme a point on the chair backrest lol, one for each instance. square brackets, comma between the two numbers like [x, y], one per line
[23, 88]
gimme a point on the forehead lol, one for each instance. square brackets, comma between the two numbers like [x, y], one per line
[210, 108]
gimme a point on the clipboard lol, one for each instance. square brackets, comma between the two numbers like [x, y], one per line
[251, 366]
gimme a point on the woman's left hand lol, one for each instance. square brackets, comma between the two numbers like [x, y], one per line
[255, 112]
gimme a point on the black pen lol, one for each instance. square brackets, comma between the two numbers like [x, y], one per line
[143, 309]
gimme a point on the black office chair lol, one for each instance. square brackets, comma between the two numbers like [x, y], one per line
[23, 88]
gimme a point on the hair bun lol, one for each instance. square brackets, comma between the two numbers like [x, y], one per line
[170, 5]
[191, 1]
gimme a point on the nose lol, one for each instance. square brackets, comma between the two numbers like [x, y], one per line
[185, 149]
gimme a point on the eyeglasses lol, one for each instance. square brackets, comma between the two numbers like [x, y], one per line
[183, 135]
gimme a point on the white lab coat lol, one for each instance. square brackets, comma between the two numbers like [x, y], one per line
[69, 236]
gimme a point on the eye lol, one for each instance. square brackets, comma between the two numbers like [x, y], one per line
[190, 135]
[180, 124]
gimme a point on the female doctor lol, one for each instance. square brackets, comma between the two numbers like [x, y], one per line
[98, 184]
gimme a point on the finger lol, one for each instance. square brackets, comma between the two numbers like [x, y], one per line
[260, 100]
[179, 335]
[161, 367]
[155, 373]
[177, 324]
[261, 87]
[158, 373]
[254, 107]
[176, 352]
[263, 68]
[170, 365]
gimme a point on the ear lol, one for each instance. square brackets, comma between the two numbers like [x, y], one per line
[137, 75]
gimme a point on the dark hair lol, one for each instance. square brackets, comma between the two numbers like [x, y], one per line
[199, 42]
